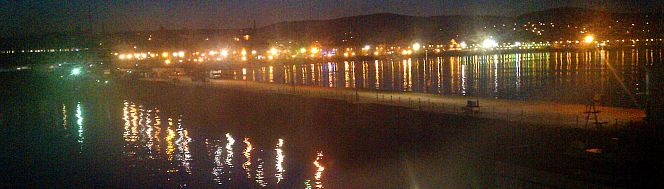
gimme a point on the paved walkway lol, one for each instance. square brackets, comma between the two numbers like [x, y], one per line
[542, 113]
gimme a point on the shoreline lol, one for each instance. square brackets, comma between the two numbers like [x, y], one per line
[445, 54]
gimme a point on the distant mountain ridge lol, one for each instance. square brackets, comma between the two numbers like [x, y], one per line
[395, 28]
[565, 23]
[377, 28]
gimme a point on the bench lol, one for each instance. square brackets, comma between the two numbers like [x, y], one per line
[472, 106]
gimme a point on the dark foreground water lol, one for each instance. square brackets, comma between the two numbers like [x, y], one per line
[78, 134]
[568, 77]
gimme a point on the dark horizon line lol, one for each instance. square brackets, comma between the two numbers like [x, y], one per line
[316, 20]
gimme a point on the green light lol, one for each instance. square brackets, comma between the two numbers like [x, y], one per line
[76, 71]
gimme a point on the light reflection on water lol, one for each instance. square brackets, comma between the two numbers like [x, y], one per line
[143, 139]
[247, 154]
[280, 161]
[64, 116]
[570, 77]
[182, 143]
[319, 170]
[229, 149]
[170, 141]
[79, 123]
[217, 171]
[259, 173]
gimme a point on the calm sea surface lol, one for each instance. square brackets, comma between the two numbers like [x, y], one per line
[71, 132]
[567, 77]
[67, 132]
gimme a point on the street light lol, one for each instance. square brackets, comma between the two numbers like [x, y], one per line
[489, 43]
[589, 39]
[416, 46]
[76, 71]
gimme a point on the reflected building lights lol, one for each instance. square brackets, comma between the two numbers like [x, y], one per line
[247, 154]
[410, 74]
[218, 169]
[279, 161]
[331, 74]
[79, 122]
[439, 71]
[182, 143]
[127, 123]
[311, 71]
[346, 75]
[365, 72]
[133, 131]
[495, 74]
[287, 76]
[157, 131]
[393, 73]
[259, 173]
[518, 72]
[302, 74]
[170, 146]
[454, 72]
[271, 74]
[352, 74]
[318, 176]
[463, 79]
[141, 127]
[64, 116]
[148, 132]
[229, 150]
[143, 142]
[376, 76]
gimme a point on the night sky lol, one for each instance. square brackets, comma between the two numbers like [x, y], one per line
[28, 17]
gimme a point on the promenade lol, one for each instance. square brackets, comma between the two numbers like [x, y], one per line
[530, 112]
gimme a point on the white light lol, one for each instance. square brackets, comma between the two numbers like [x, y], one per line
[590, 38]
[274, 51]
[489, 43]
[463, 45]
[416, 46]
[76, 71]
